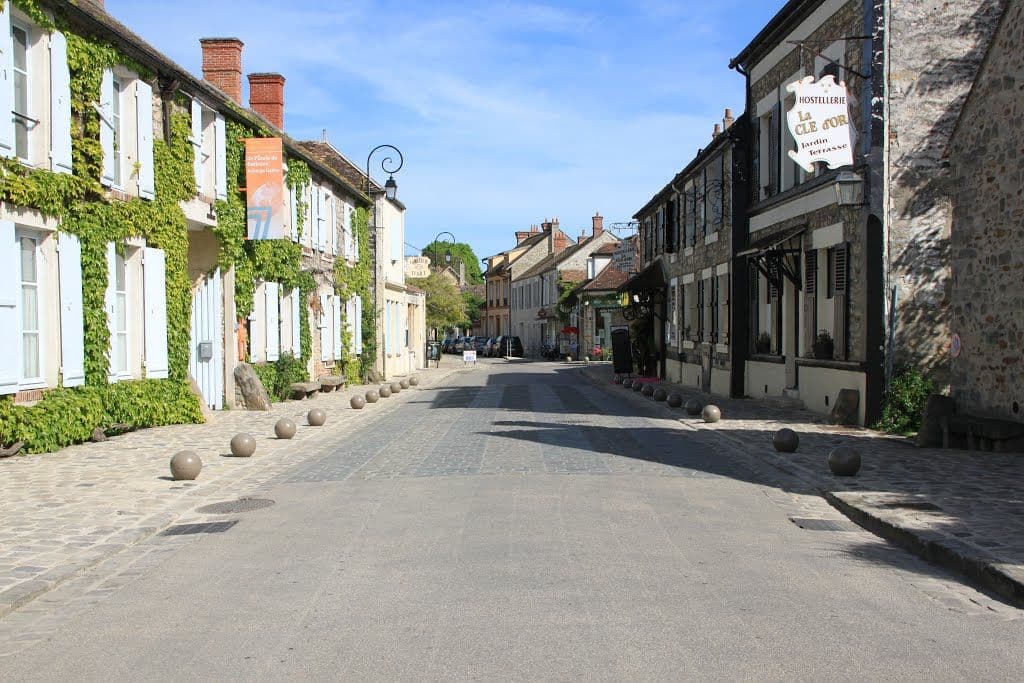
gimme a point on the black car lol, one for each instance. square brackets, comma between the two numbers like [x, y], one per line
[508, 346]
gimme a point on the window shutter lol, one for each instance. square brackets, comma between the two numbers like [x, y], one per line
[336, 326]
[220, 157]
[842, 280]
[60, 104]
[144, 128]
[109, 300]
[273, 321]
[154, 292]
[326, 347]
[723, 309]
[72, 344]
[10, 363]
[700, 310]
[359, 325]
[7, 147]
[321, 218]
[197, 144]
[810, 309]
[713, 330]
[107, 126]
[350, 321]
[773, 277]
[293, 205]
[774, 127]
[753, 288]
[296, 303]
[332, 224]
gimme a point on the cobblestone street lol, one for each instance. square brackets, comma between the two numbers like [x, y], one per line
[508, 520]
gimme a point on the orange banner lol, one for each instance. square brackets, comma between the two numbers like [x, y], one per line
[264, 180]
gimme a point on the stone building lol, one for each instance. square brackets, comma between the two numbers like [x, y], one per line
[596, 303]
[986, 167]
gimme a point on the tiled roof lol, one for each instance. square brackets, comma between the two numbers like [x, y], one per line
[608, 280]
[551, 260]
[606, 250]
[573, 275]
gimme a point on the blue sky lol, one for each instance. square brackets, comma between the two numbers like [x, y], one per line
[506, 112]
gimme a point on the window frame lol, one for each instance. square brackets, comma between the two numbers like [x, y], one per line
[122, 259]
[117, 126]
[38, 381]
[23, 121]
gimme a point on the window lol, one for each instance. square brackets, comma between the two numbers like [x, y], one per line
[119, 340]
[116, 123]
[672, 324]
[22, 121]
[136, 308]
[713, 196]
[31, 370]
[126, 133]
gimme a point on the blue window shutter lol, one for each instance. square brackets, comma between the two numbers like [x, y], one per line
[60, 104]
[336, 326]
[106, 110]
[10, 363]
[72, 330]
[110, 305]
[154, 292]
[273, 321]
[359, 325]
[197, 144]
[296, 300]
[7, 85]
[144, 127]
[326, 347]
[220, 157]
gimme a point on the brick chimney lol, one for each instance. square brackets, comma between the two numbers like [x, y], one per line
[598, 224]
[727, 120]
[266, 97]
[222, 65]
[717, 131]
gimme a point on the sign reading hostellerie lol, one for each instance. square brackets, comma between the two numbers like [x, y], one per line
[264, 182]
[820, 123]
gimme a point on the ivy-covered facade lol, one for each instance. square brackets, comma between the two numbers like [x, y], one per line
[128, 289]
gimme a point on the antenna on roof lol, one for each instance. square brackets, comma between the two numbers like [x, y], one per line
[323, 135]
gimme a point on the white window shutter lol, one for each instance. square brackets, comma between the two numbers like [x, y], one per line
[154, 293]
[326, 347]
[350, 229]
[72, 330]
[197, 144]
[10, 363]
[332, 225]
[314, 216]
[273, 321]
[350, 321]
[60, 104]
[336, 326]
[359, 326]
[321, 218]
[293, 205]
[144, 127]
[220, 157]
[107, 126]
[7, 87]
[296, 300]
[110, 305]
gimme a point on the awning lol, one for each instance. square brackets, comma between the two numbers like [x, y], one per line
[771, 241]
[652, 278]
[771, 259]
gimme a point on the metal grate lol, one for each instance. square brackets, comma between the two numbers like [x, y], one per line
[231, 507]
[205, 528]
[913, 505]
[818, 524]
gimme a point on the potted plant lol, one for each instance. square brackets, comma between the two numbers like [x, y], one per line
[824, 346]
[763, 343]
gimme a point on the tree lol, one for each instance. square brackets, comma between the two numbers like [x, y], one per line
[445, 306]
[474, 304]
[461, 252]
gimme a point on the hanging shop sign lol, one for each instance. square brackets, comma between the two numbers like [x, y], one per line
[820, 123]
[264, 180]
[417, 267]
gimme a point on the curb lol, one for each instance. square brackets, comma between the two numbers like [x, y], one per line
[982, 569]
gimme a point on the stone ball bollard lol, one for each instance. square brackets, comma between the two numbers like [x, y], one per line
[404, 383]
[711, 413]
[243, 445]
[638, 385]
[647, 390]
[693, 407]
[414, 381]
[316, 417]
[617, 379]
[660, 394]
[844, 461]
[786, 440]
[185, 465]
[384, 391]
[675, 399]
[285, 428]
[372, 396]
[586, 359]
[568, 359]
[395, 387]
[357, 402]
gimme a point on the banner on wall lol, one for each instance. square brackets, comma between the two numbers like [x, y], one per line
[820, 123]
[264, 181]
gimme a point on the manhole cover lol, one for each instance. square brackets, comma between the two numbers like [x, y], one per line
[913, 505]
[205, 528]
[816, 524]
[231, 507]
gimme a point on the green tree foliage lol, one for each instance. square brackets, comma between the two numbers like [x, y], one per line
[474, 305]
[904, 403]
[445, 306]
[461, 252]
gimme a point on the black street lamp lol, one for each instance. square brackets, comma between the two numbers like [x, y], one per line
[389, 166]
[447, 254]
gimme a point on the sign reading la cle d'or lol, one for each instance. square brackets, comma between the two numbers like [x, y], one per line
[820, 123]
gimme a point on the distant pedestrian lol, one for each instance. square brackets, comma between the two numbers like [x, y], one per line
[572, 348]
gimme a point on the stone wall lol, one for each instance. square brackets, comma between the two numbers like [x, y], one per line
[987, 239]
[934, 55]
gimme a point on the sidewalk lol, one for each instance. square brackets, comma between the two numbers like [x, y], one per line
[960, 509]
[67, 511]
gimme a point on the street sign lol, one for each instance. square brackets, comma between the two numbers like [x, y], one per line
[469, 356]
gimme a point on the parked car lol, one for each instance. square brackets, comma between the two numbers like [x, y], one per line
[446, 345]
[490, 347]
[480, 344]
[507, 345]
[460, 344]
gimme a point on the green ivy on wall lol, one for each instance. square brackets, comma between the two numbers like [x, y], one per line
[354, 280]
[65, 416]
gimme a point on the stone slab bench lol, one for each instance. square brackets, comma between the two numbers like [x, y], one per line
[981, 430]
[304, 389]
[331, 382]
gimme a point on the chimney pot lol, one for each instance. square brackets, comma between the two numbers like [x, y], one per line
[717, 131]
[728, 120]
[266, 97]
[597, 223]
[222, 65]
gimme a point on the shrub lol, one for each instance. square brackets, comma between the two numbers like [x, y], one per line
[277, 377]
[904, 403]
